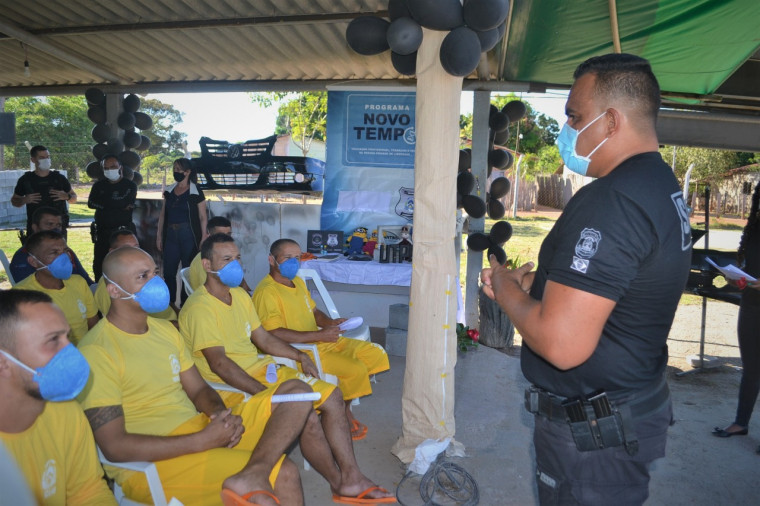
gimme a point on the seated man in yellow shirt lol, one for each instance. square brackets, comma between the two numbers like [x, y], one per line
[287, 311]
[119, 238]
[70, 292]
[146, 401]
[223, 332]
[197, 275]
[42, 428]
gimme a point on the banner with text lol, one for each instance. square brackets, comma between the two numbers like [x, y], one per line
[369, 174]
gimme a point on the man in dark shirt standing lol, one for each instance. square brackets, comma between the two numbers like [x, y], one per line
[113, 199]
[43, 187]
[595, 315]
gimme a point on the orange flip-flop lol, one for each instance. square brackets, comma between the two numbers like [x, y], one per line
[363, 499]
[358, 430]
[230, 498]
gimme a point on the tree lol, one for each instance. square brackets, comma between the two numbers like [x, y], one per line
[163, 137]
[302, 115]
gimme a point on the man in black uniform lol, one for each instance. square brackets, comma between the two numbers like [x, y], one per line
[113, 199]
[43, 187]
[595, 315]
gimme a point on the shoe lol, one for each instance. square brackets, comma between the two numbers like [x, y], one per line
[358, 430]
[363, 499]
[230, 498]
[718, 432]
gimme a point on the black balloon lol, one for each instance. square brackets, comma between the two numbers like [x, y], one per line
[143, 121]
[129, 159]
[484, 15]
[99, 150]
[404, 36]
[465, 160]
[510, 160]
[490, 38]
[478, 242]
[97, 114]
[144, 143]
[94, 170]
[496, 209]
[398, 9]
[132, 139]
[474, 206]
[498, 122]
[137, 178]
[131, 103]
[465, 183]
[459, 200]
[405, 64]
[95, 96]
[367, 35]
[127, 172]
[500, 232]
[515, 110]
[460, 52]
[498, 158]
[499, 187]
[501, 138]
[499, 253]
[126, 120]
[115, 145]
[437, 14]
[101, 132]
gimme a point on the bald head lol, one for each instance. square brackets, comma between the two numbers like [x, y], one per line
[121, 262]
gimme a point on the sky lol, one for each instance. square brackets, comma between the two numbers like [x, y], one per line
[233, 117]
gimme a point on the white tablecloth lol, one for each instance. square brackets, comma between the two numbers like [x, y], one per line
[361, 273]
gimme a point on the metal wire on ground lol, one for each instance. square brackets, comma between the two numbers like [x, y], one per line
[447, 481]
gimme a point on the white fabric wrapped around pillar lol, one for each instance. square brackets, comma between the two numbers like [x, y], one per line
[428, 396]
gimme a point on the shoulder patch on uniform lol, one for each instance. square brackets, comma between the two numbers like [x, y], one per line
[683, 215]
[588, 243]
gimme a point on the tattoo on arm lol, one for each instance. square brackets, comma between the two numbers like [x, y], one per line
[98, 417]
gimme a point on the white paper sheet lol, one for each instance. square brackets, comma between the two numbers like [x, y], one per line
[731, 271]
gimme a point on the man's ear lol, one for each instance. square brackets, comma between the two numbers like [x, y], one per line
[113, 291]
[34, 262]
[206, 263]
[272, 261]
[613, 121]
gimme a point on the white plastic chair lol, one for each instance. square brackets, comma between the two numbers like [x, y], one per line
[7, 266]
[361, 333]
[151, 474]
[184, 273]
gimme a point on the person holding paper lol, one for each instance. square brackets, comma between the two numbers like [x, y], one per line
[748, 326]
[287, 311]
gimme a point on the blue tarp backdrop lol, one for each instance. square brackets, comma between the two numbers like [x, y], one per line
[369, 175]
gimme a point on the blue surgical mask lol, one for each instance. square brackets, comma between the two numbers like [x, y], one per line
[566, 142]
[63, 377]
[153, 297]
[289, 268]
[60, 268]
[231, 274]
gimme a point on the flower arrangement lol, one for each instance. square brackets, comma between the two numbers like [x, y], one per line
[466, 337]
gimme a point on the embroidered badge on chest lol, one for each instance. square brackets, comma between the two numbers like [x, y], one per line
[585, 248]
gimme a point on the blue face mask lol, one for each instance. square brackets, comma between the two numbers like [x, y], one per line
[566, 142]
[63, 377]
[60, 268]
[289, 268]
[231, 274]
[153, 297]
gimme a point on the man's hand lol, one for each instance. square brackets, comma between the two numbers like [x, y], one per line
[338, 321]
[60, 195]
[31, 198]
[308, 367]
[497, 275]
[329, 334]
[224, 430]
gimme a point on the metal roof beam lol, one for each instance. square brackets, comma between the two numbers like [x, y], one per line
[709, 130]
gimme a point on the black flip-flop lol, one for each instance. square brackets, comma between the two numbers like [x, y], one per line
[718, 432]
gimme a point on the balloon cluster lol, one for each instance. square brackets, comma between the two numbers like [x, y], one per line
[474, 26]
[129, 120]
[493, 242]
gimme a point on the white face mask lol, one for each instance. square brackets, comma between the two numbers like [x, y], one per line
[43, 164]
[112, 174]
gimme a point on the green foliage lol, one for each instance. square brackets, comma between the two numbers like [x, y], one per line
[163, 138]
[153, 167]
[710, 165]
[302, 115]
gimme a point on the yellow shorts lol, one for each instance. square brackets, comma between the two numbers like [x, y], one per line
[353, 361]
[197, 478]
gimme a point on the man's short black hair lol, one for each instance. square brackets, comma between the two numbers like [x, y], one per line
[274, 249]
[207, 247]
[36, 149]
[35, 240]
[10, 300]
[625, 76]
[218, 221]
[118, 233]
[44, 211]
[108, 156]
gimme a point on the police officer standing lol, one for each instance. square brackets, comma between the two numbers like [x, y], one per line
[595, 314]
[113, 199]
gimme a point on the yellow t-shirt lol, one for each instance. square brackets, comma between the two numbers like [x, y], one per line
[139, 372]
[103, 303]
[206, 321]
[196, 274]
[57, 457]
[75, 300]
[280, 306]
